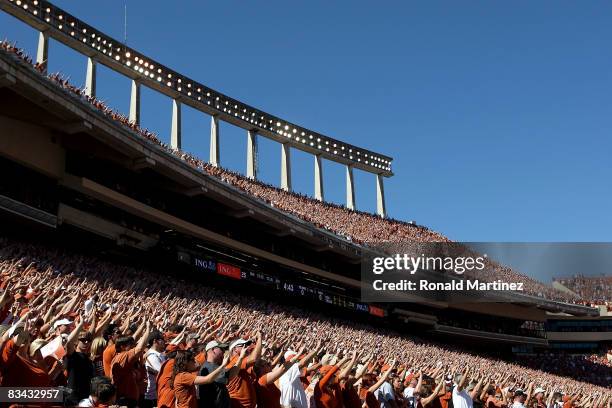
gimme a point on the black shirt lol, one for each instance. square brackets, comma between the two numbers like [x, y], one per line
[80, 372]
[213, 395]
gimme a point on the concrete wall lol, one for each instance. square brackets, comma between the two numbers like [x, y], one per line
[32, 146]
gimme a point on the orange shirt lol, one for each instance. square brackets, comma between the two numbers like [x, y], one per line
[200, 358]
[444, 399]
[107, 358]
[125, 375]
[185, 391]
[18, 371]
[324, 394]
[268, 394]
[241, 388]
[165, 394]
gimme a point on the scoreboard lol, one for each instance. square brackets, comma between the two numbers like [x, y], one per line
[288, 286]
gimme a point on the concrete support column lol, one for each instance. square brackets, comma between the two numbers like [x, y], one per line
[252, 154]
[42, 53]
[286, 166]
[175, 131]
[90, 79]
[215, 159]
[380, 197]
[350, 188]
[135, 103]
[318, 178]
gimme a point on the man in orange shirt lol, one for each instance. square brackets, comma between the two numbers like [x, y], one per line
[268, 394]
[241, 388]
[184, 378]
[17, 368]
[110, 352]
[165, 392]
[124, 368]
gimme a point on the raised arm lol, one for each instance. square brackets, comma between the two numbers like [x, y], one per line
[73, 336]
[304, 361]
[434, 394]
[140, 346]
[327, 377]
[279, 370]
[529, 391]
[236, 368]
[256, 353]
[211, 377]
[382, 380]
[277, 359]
[137, 334]
[361, 371]
[94, 322]
[474, 392]
[483, 392]
[463, 381]
[348, 367]
[417, 388]
[104, 323]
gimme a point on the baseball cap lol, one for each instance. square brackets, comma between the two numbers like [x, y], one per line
[193, 336]
[61, 322]
[212, 344]
[539, 390]
[518, 392]
[289, 354]
[240, 342]
[36, 345]
[14, 328]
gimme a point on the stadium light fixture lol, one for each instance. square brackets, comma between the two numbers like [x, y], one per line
[67, 29]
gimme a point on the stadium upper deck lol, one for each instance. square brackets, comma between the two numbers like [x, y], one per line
[300, 216]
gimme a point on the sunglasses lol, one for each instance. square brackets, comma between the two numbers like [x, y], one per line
[84, 340]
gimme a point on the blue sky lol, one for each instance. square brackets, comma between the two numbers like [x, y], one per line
[497, 113]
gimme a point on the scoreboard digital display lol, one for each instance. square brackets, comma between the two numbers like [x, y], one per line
[283, 285]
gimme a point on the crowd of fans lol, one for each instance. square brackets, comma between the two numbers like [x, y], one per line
[116, 334]
[597, 290]
[592, 368]
[357, 226]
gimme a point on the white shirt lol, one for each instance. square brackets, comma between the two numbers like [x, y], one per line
[292, 390]
[461, 399]
[518, 404]
[89, 305]
[384, 394]
[408, 392]
[87, 402]
[153, 362]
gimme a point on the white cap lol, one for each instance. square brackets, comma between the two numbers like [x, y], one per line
[212, 344]
[240, 342]
[289, 353]
[61, 322]
[539, 390]
[326, 358]
[14, 328]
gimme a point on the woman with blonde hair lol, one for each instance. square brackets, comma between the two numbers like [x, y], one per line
[97, 349]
